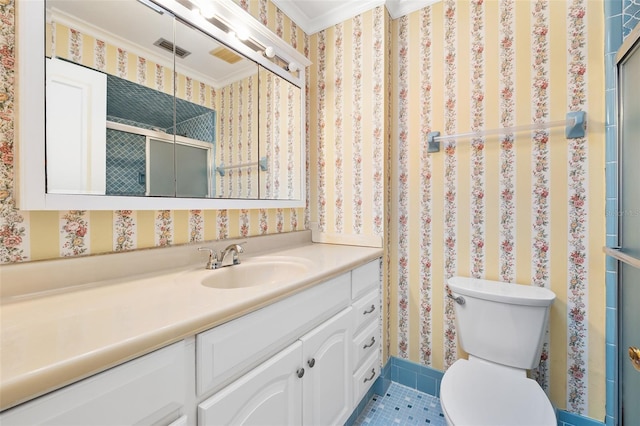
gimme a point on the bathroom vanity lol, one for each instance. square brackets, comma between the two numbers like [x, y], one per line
[175, 348]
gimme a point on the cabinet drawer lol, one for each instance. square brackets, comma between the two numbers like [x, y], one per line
[147, 390]
[365, 377]
[366, 310]
[365, 278]
[229, 350]
[365, 344]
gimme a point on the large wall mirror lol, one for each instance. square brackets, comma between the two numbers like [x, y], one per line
[151, 105]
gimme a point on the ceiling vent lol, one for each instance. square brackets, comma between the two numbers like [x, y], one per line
[226, 55]
[168, 46]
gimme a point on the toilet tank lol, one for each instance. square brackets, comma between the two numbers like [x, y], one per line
[501, 322]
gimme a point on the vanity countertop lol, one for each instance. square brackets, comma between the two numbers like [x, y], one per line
[53, 339]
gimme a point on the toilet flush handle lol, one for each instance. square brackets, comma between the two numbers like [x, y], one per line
[458, 299]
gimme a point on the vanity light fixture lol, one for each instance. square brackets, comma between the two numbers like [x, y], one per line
[269, 52]
[205, 8]
[242, 34]
[207, 12]
[239, 34]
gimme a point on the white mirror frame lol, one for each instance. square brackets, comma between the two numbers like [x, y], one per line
[30, 124]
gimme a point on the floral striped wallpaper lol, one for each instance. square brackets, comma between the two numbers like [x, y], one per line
[279, 130]
[236, 105]
[348, 123]
[524, 207]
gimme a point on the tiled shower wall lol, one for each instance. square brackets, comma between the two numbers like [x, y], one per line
[621, 17]
[126, 162]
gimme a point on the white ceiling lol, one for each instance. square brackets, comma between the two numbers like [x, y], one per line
[135, 27]
[316, 15]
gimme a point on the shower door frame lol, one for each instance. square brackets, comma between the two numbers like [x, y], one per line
[630, 47]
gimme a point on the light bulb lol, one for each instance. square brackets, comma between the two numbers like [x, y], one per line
[269, 52]
[242, 35]
[206, 9]
[293, 67]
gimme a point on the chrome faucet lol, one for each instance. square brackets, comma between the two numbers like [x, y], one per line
[236, 249]
[216, 259]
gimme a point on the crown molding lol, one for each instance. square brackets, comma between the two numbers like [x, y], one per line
[317, 15]
[333, 12]
[398, 8]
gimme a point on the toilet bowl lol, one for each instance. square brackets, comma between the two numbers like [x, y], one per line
[502, 327]
[473, 393]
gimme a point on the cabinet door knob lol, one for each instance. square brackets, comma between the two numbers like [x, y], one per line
[311, 362]
[300, 372]
[371, 343]
[371, 309]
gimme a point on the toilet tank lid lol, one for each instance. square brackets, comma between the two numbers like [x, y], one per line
[517, 294]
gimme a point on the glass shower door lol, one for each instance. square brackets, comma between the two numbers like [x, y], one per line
[629, 230]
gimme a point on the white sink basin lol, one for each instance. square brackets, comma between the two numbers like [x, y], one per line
[256, 272]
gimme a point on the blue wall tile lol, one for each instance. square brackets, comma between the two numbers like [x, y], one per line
[428, 385]
[611, 289]
[611, 317]
[631, 16]
[570, 419]
[613, 37]
[407, 378]
[612, 148]
[611, 354]
[612, 7]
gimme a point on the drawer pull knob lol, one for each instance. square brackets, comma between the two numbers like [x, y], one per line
[371, 309]
[300, 372]
[311, 362]
[371, 343]
[373, 374]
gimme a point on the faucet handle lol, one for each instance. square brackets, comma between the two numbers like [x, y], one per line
[213, 262]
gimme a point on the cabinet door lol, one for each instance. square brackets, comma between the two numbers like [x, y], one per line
[270, 394]
[327, 384]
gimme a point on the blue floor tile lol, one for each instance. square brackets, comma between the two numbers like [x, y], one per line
[402, 405]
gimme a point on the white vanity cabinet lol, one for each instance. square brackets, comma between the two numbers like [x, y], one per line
[148, 390]
[306, 359]
[231, 349]
[307, 383]
[313, 374]
[317, 380]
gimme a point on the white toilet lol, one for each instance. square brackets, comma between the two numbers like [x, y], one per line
[501, 326]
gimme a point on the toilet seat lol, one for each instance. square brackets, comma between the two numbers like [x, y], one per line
[475, 393]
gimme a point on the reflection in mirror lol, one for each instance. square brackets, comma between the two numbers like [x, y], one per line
[217, 77]
[280, 134]
[117, 129]
[102, 149]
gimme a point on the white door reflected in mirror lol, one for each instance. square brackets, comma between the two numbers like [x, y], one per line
[76, 120]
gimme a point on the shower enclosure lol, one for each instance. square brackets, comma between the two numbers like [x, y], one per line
[628, 216]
